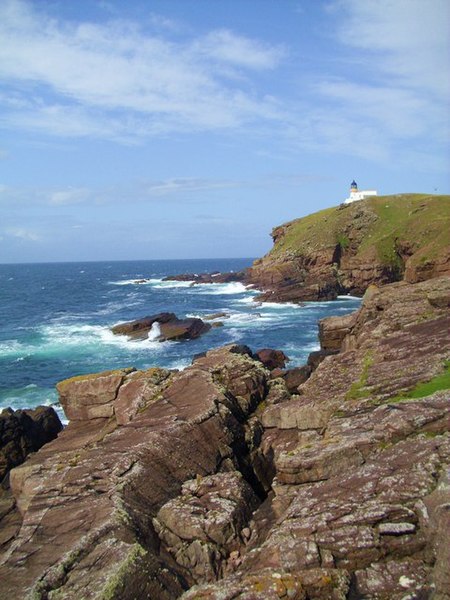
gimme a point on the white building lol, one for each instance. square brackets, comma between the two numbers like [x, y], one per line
[356, 194]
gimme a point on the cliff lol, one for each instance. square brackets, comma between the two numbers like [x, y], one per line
[219, 482]
[344, 249]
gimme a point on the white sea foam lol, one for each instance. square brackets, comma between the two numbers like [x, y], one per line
[235, 287]
[348, 297]
[155, 332]
[282, 305]
[159, 284]
[249, 300]
[12, 348]
[135, 281]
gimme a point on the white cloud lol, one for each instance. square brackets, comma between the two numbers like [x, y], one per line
[22, 233]
[143, 84]
[393, 103]
[69, 196]
[224, 45]
[410, 38]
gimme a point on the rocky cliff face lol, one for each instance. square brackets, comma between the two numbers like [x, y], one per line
[220, 482]
[344, 249]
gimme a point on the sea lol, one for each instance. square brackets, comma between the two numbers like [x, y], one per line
[56, 319]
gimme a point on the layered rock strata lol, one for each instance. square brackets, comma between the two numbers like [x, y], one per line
[223, 482]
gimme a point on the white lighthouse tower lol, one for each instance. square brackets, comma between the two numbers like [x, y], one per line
[356, 194]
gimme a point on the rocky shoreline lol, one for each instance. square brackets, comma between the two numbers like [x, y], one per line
[221, 482]
[238, 477]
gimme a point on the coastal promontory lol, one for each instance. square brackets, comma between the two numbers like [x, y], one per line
[343, 249]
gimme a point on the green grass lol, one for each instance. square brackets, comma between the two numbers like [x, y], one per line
[421, 390]
[357, 390]
[420, 221]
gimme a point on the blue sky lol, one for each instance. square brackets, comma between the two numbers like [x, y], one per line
[189, 128]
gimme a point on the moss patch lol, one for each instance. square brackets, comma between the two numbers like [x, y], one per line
[357, 390]
[421, 390]
[117, 584]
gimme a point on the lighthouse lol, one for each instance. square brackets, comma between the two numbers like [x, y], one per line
[356, 194]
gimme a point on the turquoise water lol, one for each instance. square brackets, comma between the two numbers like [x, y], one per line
[55, 320]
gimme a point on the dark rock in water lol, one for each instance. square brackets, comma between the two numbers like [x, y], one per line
[168, 327]
[272, 359]
[182, 329]
[215, 277]
[23, 432]
[219, 315]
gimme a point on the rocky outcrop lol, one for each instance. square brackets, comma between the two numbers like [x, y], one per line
[223, 481]
[343, 250]
[88, 500]
[23, 432]
[162, 327]
[214, 277]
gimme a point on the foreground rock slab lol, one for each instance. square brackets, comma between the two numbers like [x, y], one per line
[89, 498]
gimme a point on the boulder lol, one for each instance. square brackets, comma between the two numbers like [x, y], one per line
[23, 432]
[272, 359]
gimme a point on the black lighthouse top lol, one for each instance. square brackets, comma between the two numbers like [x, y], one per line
[353, 185]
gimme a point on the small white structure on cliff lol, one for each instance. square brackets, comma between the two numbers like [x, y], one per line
[356, 194]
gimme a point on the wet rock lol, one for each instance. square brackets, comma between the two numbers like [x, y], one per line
[213, 316]
[163, 327]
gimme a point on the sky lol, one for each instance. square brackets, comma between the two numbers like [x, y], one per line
[162, 129]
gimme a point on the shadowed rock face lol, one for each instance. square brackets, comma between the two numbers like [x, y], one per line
[25, 431]
[222, 481]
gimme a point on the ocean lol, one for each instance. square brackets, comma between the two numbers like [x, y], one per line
[55, 321]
